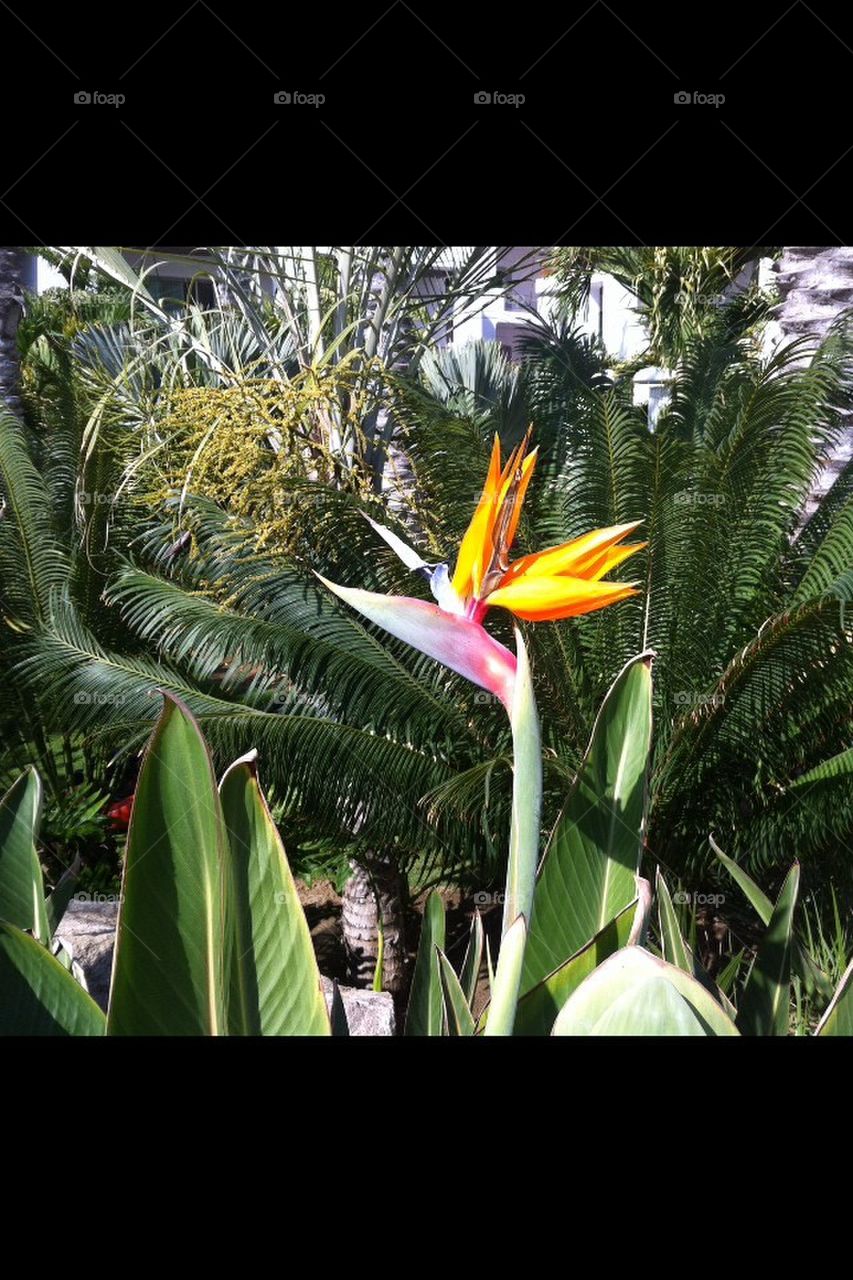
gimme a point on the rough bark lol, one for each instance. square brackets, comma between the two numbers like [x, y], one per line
[815, 286]
[12, 274]
[369, 890]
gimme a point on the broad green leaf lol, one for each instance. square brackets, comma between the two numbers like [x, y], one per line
[633, 993]
[642, 913]
[379, 967]
[538, 1009]
[21, 880]
[838, 766]
[425, 1014]
[755, 896]
[274, 980]
[675, 949]
[39, 996]
[490, 975]
[652, 1007]
[526, 794]
[57, 902]
[838, 1019]
[338, 1017]
[588, 874]
[458, 1017]
[726, 979]
[765, 1005]
[500, 1018]
[473, 959]
[803, 963]
[113, 263]
[169, 975]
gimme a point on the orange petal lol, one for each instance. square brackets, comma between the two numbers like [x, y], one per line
[508, 471]
[494, 466]
[571, 557]
[476, 542]
[516, 459]
[526, 472]
[596, 568]
[540, 599]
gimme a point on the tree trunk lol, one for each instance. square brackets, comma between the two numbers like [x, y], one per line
[370, 889]
[12, 275]
[815, 287]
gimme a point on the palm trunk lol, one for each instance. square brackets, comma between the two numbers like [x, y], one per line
[815, 287]
[12, 274]
[372, 892]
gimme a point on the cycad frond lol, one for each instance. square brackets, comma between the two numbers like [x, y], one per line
[354, 782]
[32, 561]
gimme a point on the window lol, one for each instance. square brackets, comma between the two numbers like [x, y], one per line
[179, 290]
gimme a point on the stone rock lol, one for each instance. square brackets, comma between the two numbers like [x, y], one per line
[87, 933]
[369, 1013]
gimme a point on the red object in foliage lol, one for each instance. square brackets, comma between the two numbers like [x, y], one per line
[119, 814]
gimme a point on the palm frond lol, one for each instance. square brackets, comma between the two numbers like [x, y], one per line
[32, 561]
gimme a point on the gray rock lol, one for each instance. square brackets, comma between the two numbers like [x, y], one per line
[369, 1013]
[87, 934]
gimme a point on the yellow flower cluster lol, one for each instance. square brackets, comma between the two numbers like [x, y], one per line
[262, 449]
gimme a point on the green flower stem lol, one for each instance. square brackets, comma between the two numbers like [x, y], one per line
[523, 848]
[526, 795]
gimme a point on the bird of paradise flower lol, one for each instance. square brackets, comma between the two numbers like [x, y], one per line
[559, 582]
